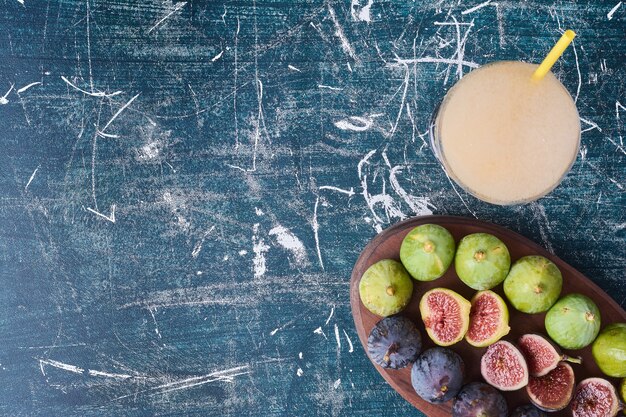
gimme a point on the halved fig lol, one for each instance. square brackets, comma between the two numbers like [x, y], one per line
[489, 319]
[504, 366]
[595, 397]
[553, 391]
[541, 355]
[446, 315]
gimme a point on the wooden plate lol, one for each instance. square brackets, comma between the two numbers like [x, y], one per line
[387, 246]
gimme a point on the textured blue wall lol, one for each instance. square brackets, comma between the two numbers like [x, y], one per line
[184, 191]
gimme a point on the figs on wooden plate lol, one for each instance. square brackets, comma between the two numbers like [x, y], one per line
[445, 314]
[595, 397]
[478, 399]
[553, 391]
[533, 284]
[437, 375]
[427, 251]
[385, 288]
[394, 342]
[541, 355]
[504, 366]
[482, 261]
[573, 322]
[489, 319]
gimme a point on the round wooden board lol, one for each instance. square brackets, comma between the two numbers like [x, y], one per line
[387, 246]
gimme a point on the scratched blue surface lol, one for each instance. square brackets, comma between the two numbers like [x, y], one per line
[186, 187]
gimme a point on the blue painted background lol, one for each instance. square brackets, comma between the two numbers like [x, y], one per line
[184, 191]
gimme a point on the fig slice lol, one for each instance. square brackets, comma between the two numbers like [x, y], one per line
[445, 315]
[489, 319]
[541, 355]
[553, 391]
[504, 367]
[595, 397]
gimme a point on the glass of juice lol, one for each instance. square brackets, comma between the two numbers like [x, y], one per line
[504, 137]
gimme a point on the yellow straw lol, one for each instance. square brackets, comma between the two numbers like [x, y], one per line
[554, 54]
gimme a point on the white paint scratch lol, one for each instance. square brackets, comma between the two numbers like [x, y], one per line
[174, 10]
[300, 355]
[259, 248]
[345, 44]
[90, 93]
[329, 87]
[350, 347]
[355, 123]
[26, 87]
[316, 226]
[580, 78]
[418, 205]
[610, 14]
[276, 330]
[108, 374]
[299, 372]
[337, 383]
[156, 325]
[592, 125]
[110, 217]
[289, 241]
[291, 67]
[349, 192]
[60, 365]
[618, 106]
[428, 59]
[320, 331]
[218, 56]
[332, 311]
[337, 337]
[117, 113]
[477, 7]
[3, 99]
[362, 15]
[31, 178]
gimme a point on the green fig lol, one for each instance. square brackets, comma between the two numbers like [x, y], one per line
[609, 350]
[385, 288]
[573, 322]
[533, 284]
[482, 261]
[427, 252]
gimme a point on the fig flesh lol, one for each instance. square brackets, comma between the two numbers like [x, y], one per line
[573, 322]
[504, 367]
[595, 397]
[385, 288]
[394, 342]
[553, 391]
[427, 252]
[482, 261]
[541, 355]
[489, 319]
[528, 410]
[445, 315]
[478, 399]
[533, 284]
[437, 375]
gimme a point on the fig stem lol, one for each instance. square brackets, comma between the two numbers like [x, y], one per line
[589, 316]
[572, 359]
[390, 290]
[429, 246]
[479, 255]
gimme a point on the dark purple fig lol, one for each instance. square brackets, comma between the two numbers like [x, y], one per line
[541, 355]
[553, 391]
[528, 410]
[437, 375]
[504, 366]
[595, 397]
[394, 342]
[478, 399]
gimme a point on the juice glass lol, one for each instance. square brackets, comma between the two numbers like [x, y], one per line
[504, 137]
